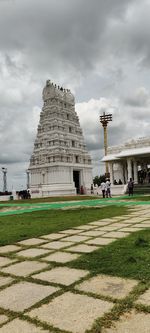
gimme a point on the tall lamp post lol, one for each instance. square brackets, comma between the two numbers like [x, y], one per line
[104, 120]
[4, 170]
[28, 179]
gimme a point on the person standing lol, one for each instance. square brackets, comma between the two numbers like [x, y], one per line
[130, 186]
[92, 189]
[108, 189]
[103, 189]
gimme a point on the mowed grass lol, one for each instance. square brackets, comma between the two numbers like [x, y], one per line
[54, 199]
[128, 257]
[14, 228]
[136, 197]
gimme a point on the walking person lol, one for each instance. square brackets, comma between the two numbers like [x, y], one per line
[130, 187]
[108, 189]
[103, 189]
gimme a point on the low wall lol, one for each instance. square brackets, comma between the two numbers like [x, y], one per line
[7, 197]
[4, 197]
[118, 189]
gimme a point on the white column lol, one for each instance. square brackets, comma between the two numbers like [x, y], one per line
[129, 166]
[135, 170]
[110, 165]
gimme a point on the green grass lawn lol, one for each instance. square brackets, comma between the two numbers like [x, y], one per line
[128, 257]
[55, 199]
[136, 197]
[14, 228]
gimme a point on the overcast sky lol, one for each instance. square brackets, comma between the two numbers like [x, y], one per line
[100, 49]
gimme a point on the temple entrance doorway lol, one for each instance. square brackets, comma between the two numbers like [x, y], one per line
[76, 179]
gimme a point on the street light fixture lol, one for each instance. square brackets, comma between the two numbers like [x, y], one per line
[104, 120]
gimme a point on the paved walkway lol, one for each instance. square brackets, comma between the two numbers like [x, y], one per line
[40, 293]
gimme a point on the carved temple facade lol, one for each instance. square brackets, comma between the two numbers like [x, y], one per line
[60, 163]
[129, 160]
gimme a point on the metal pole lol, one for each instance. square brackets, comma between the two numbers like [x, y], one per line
[4, 170]
[104, 120]
[105, 148]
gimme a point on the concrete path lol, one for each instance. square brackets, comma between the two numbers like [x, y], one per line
[40, 293]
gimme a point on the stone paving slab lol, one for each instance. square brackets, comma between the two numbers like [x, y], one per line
[5, 261]
[5, 280]
[24, 268]
[100, 241]
[56, 245]
[93, 233]
[131, 323]
[144, 298]
[118, 218]
[21, 326]
[31, 242]
[3, 319]
[70, 232]
[109, 228]
[145, 222]
[53, 236]
[85, 227]
[9, 248]
[142, 225]
[83, 248]
[23, 295]
[62, 257]
[108, 286]
[137, 220]
[99, 223]
[32, 253]
[62, 275]
[72, 312]
[129, 221]
[108, 220]
[121, 225]
[130, 229]
[76, 238]
[116, 234]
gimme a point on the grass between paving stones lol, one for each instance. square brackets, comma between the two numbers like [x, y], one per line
[121, 307]
[137, 244]
[128, 257]
[14, 228]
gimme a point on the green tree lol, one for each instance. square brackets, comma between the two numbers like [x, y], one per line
[97, 180]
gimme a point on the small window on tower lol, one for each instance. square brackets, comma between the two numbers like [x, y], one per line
[69, 129]
[77, 159]
[67, 116]
[73, 143]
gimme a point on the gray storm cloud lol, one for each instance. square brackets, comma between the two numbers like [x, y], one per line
[100, 49]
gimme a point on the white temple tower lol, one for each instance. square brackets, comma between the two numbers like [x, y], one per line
[60, 163]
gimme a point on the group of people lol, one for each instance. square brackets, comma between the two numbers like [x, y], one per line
[106, 188]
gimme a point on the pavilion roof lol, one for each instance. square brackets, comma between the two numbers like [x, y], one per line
[127, 153]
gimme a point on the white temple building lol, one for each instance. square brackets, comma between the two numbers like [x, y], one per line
[60, 163]
[129, 160]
